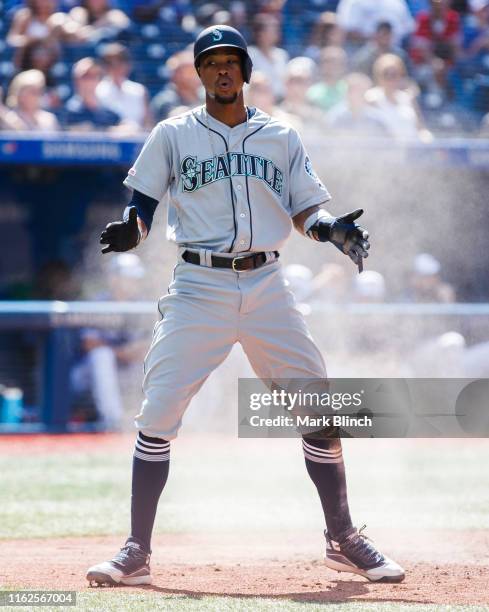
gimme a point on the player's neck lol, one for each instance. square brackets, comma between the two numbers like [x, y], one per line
[229, 114]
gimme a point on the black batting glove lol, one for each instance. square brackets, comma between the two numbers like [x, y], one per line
[345, 234]
[349, 237]
[121, 236]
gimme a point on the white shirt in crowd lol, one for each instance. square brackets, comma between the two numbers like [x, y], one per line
[399, 117]
[273, 66]
[363, 16]
[128, 100]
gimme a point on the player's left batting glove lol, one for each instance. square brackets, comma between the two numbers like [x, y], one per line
[121, 236]
[345, 234]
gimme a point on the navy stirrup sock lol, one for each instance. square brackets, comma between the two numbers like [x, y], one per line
[324, 463]
[150, 467]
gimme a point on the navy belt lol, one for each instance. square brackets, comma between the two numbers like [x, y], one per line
[238, 264]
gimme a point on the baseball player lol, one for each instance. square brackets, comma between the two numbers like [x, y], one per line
[236, 181]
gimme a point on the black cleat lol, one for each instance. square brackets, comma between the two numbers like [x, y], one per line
[130, 567]
[358, 555]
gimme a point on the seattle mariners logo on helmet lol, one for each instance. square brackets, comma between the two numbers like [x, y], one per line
[223, 36]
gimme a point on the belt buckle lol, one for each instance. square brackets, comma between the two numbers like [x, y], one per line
[235, 259]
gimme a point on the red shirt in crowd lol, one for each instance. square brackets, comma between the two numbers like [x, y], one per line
[441, 33]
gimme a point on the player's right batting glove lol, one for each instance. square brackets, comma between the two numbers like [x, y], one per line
[122, 236]
[345, 234]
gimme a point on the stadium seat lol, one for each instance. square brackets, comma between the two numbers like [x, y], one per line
[7, 69]
[156, 51]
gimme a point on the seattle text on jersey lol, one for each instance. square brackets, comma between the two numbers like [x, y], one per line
[196, 174]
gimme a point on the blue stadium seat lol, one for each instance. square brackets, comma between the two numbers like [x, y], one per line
[72, 53]
[150, 31]
[64, 91]
[7, 69]
[7, 52]
[156, 51]
[60, 70]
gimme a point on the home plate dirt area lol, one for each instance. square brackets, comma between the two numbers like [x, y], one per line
[450, 567]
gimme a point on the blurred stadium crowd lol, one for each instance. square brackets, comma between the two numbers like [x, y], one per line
[406, 69]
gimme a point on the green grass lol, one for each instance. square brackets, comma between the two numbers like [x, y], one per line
[247, 484]
[110, 600]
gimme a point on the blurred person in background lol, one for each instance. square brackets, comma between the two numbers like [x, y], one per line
[83, 111]
[381, 42]
[374, 333]
[55, 280]
[223, 17]
[37, 20]
[435, 46]
[299, 281]
[359, 19]
[484, 127]
[267, 57]
[355, 116]
[259, 94]
[6, 121]
[331, 86]
[117, 93]
[184, 89]
[204, 14]
[468, 78]
[41, 55]
[425, 283]
[299, 77]
[239, 17]
[368, 288]
[147, 11]
[476, 361]
[332, 285]
[475, 34]
[96, 19]
[395, 98]
[441, 356]
[325, 33]
[108, 353]
[24, 99]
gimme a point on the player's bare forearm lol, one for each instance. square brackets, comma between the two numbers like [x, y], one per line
[143, 230]
[132, 351]
[300, 219]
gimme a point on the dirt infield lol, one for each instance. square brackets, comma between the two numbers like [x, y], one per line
[260, 566]
[443, 566]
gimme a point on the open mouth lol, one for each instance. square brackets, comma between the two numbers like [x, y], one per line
[224, 84]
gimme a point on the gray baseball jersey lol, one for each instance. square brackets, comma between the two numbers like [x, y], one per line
[229, 190]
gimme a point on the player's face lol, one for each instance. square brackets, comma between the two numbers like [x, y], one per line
[221, 75]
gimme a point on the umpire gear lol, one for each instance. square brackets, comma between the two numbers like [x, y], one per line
[223, 36]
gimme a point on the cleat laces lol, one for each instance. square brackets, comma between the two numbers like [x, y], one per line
[358, 548]
[130, 554]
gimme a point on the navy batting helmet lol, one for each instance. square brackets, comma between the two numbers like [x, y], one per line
[223, 36]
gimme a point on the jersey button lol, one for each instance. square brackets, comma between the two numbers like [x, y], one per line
[241, 242]
[238, 187]
[242, 215]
